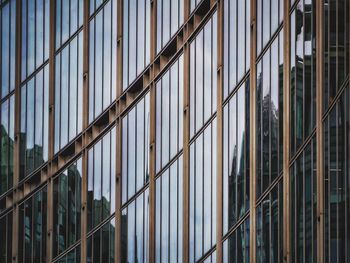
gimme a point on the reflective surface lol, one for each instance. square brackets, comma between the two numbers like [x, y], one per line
[269, 16]
[7, 119]
[269, 114]
[236, 246]
[336, 47]
[337, 179]
[69, 18]
[202, 193]
[169, 205]
[35, 35]
[32, 228]
[135, 229]
[6, 240]
[135, 151]
[136, 40]
[69, 92]
[67, 207]
[169, 20]
[102, 59]
[303, 73]
[101, 179]
[101, 244]
[236, 43]
[203, 77]
[303, 206]
[236, 137]
[34, 138]
[269, 226]
[169, 114]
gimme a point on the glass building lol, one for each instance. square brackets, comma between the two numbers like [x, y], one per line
[174, 131]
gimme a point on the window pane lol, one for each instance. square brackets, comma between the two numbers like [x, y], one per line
[68, 92]
[101, 179]
[136, 21]
[135, 167]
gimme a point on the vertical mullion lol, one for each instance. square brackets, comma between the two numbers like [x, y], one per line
[319, 127]
[219, 129]
[16, 163]
[253, 128]
[85, 111]
[152, 141]
[186, 134]
[286, 137]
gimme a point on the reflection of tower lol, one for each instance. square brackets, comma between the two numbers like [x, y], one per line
[124, 236]
[7, 145]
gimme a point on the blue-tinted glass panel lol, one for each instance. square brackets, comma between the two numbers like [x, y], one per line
[35, 35]
[202, 191]
[136, 40]
[236, 246]
[101, 179]
[169, 115]
[269, 113]
[135, 229]
[203, 66]
[32, 228]
[236, 46]
[135, 156]
[236, 157]
[69, 18]
[7, 46]
[67, 206]
[169, 214]
[34, 122]
[7, 118]
[169, 20]
[103, 59]
[68, 92]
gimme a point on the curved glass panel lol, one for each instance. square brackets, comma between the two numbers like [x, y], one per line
[101, 179]
[236, 30]
[135, 148]
[236, 136]
[34, 122]
[103, 59]
[136, 38]
[203, 76]
[32, 228]
[169, 114]
[69, 92]
[203, 191]
[7, 46]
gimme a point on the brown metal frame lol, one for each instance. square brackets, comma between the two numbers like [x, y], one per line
[178, 44]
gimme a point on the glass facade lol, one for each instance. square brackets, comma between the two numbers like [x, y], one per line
[34, 122]
[103, 59]
[269, 111]
[169, 117]
[7, 118]
[135, 153]
[202, 193]
[136, 39]
[67, 207]
[169, 204]
[6, 242]
[68, 92]
[236, 157]
[35, 35]
[101, 179]
[8, 42]
[175, 131]
[32, 228]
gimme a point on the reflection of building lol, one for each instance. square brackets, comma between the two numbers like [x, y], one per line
[150, 131]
